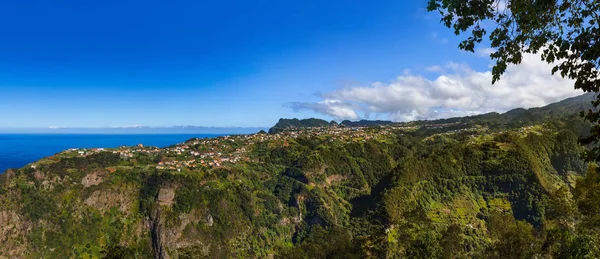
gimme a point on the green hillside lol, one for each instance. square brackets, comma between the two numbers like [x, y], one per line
[291, 124]
[492, 186]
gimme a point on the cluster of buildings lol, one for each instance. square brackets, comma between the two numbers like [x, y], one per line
[85, 151]
[346, 134]
[228, 150]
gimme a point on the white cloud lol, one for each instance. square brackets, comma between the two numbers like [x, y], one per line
[500, 5]
[459, 92]
[484, 52]
[334, 108]
[435, 68]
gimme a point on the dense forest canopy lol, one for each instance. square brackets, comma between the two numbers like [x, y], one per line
[297, 124]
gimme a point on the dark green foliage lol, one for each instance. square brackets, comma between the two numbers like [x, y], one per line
[99, 160]
[325, 243]
[586, 197]
[149, 191]
[579, 246]
[119, 252]
[511, 238]
[284, 124]
[452, 244]
[287, 190]
[188, 197]
[36, 205]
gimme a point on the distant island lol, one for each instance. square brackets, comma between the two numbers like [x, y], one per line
[136, 130]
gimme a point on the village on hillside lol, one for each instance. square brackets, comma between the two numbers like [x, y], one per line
[229, 150]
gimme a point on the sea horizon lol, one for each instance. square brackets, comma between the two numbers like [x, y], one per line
[135, 130]
[19, 149]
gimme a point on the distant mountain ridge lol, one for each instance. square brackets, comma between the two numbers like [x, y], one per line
[284, 124]
[567, 107]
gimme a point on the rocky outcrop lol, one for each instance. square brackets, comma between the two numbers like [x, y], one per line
[333, 179]
[92, 179]
[209, 220]
[157, 233]
[103, 200]
[13, 230]
[166, 196]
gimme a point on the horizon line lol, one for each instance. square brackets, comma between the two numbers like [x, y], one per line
[132, 128]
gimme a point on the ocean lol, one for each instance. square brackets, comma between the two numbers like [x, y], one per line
[17, 150]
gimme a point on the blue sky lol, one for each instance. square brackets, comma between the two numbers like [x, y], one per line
[236, 63]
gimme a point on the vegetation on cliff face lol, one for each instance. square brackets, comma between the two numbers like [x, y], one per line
[445, 190]
[284, 124]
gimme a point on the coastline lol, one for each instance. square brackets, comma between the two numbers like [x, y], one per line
[19, 149]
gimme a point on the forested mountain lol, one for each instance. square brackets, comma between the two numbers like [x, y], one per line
[567, 108]
[292, 124]
[507, 185]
